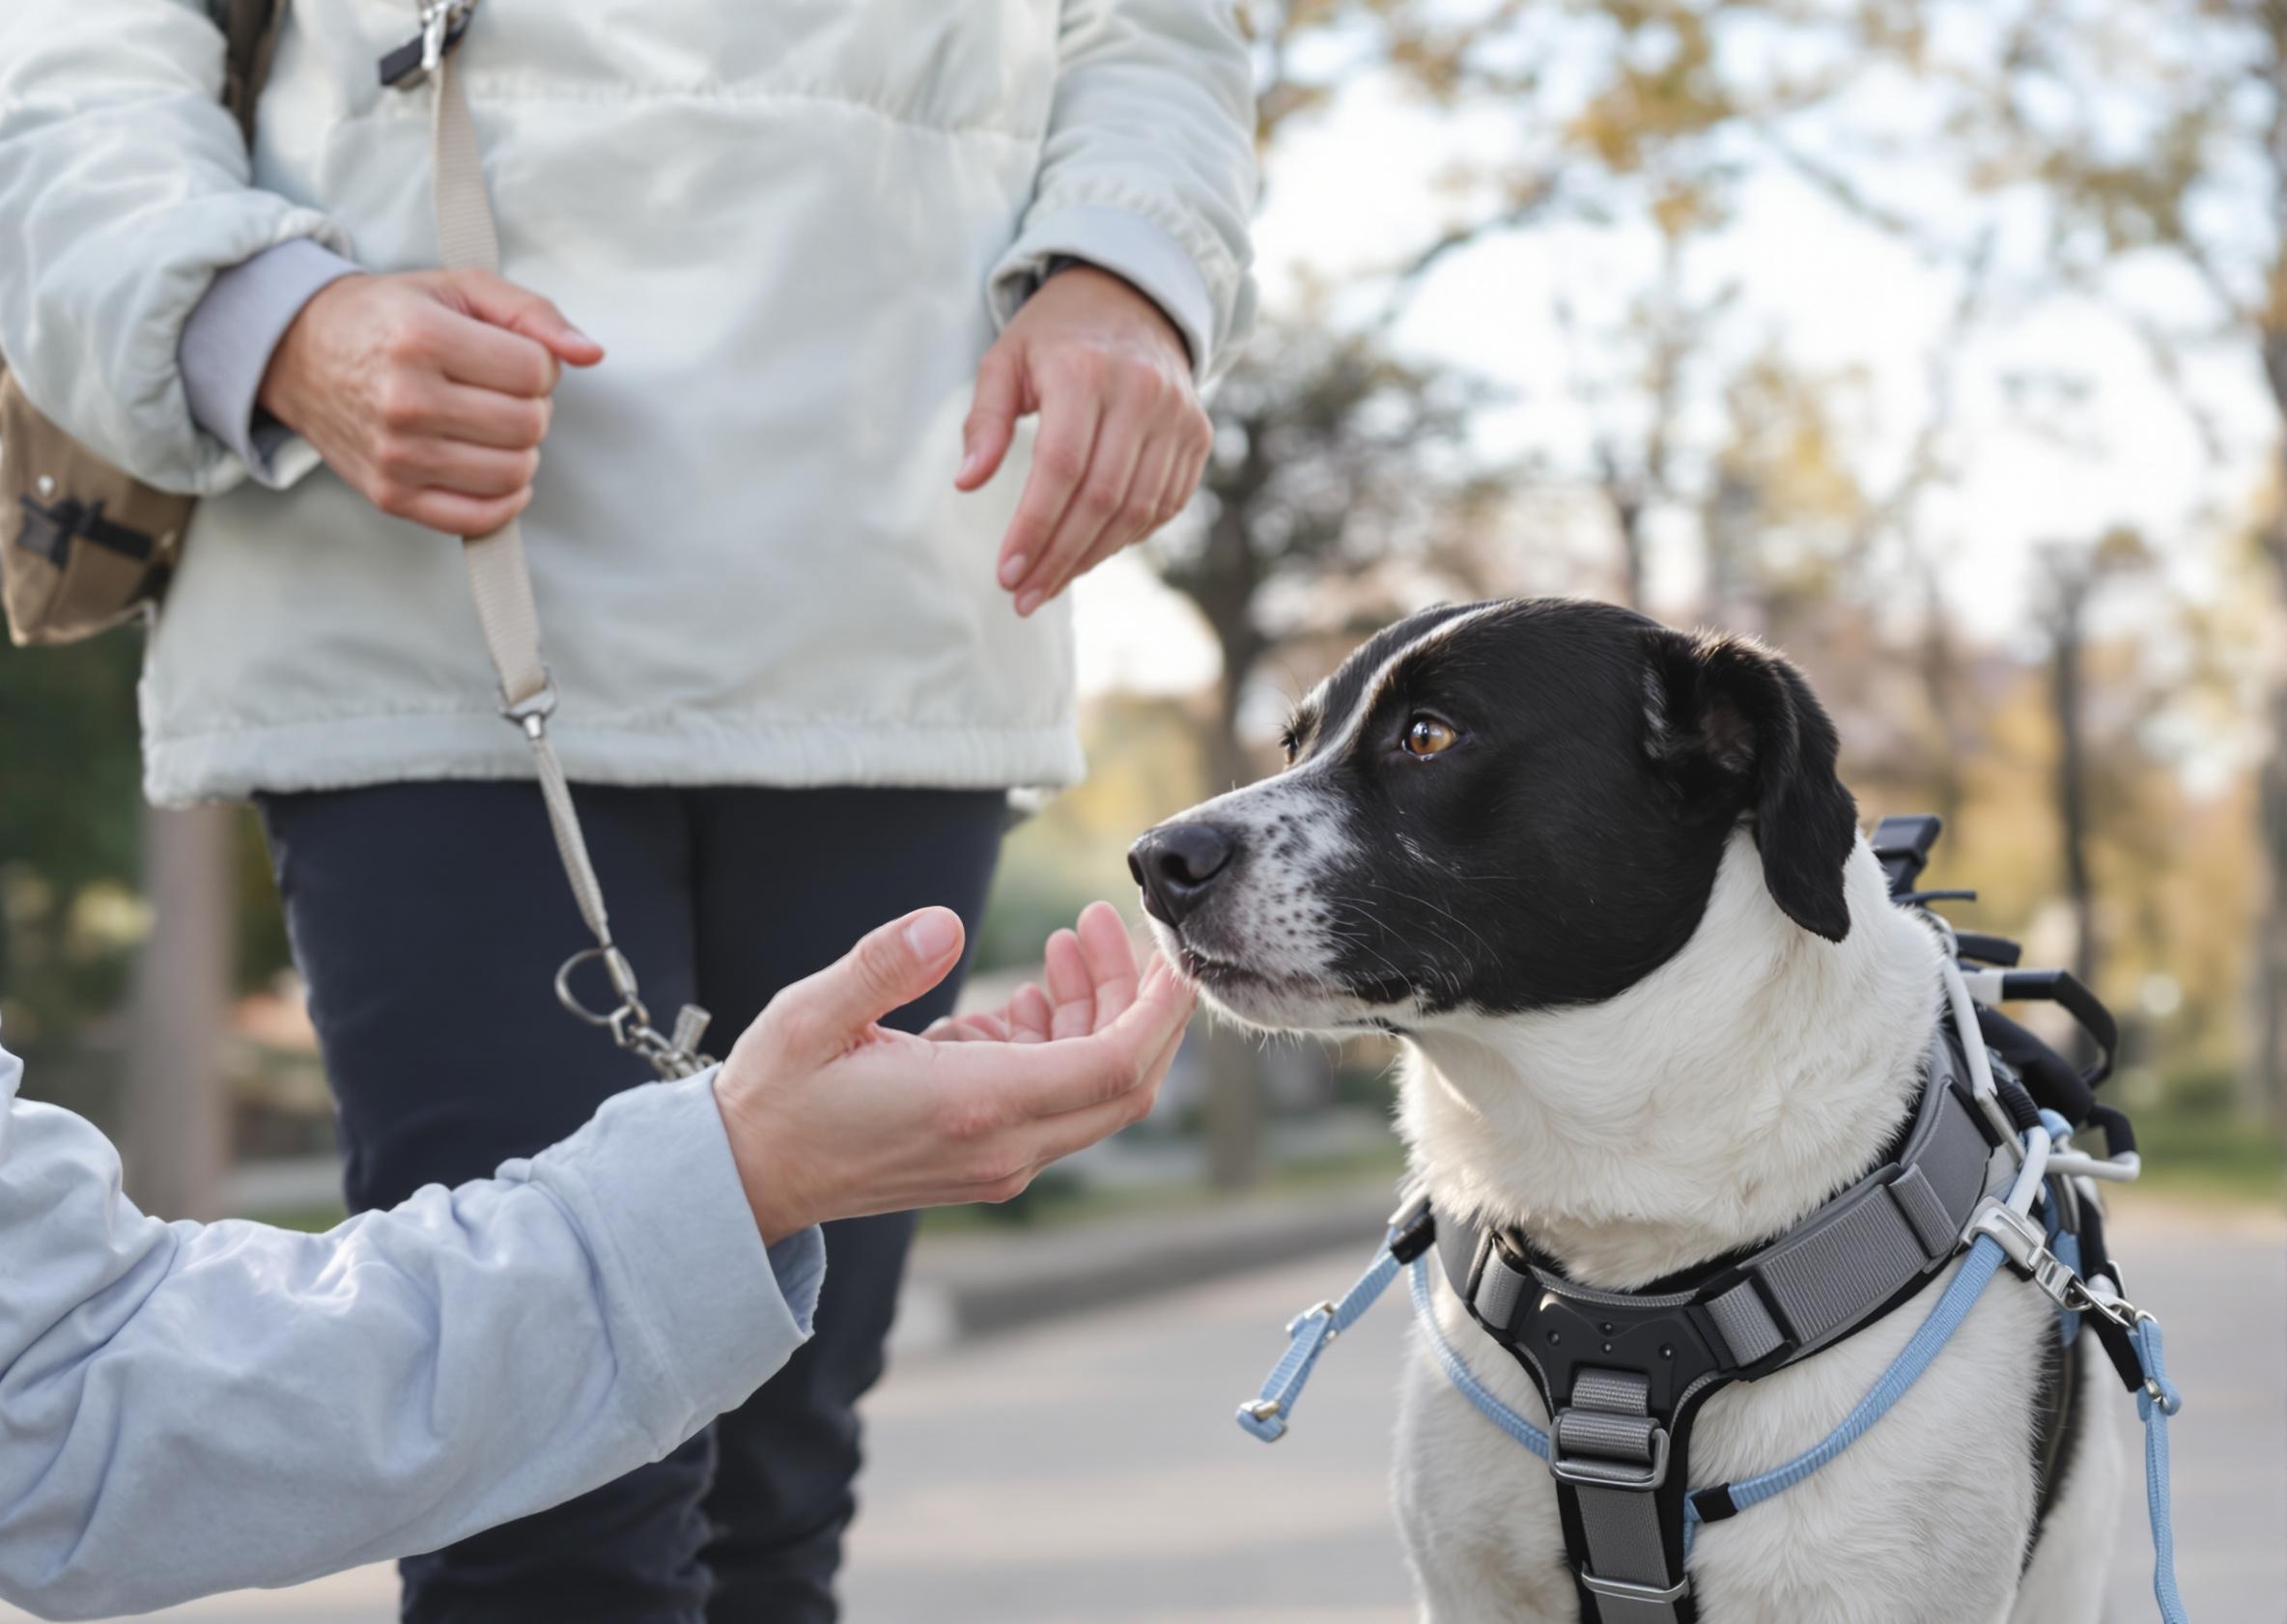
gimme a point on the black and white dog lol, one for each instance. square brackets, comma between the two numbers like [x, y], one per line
[1601, 879]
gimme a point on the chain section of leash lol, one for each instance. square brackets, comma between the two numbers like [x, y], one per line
[673, 1053]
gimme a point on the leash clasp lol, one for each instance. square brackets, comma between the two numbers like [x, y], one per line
[671, 1054]
[2025, 1243]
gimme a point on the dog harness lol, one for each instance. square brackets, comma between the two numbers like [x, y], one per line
[1983, 1172]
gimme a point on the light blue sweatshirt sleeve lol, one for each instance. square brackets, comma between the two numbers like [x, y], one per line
[187, 1409]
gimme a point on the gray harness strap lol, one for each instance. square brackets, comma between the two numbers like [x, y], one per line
[1623, 1373]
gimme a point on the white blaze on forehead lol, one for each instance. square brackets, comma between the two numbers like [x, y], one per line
[1369, 694]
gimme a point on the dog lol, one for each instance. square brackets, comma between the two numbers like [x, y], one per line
[1601, 880]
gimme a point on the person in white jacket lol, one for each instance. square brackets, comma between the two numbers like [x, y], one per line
[831, 341]
[187, 1409]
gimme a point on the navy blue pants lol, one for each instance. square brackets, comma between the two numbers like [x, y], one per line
[428, 920]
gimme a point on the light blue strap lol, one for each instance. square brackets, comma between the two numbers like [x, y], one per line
[2155, 1403]
[1266, 1416]
[1465, 1380]
[1977, 1268]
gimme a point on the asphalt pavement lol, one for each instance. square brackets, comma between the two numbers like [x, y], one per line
[1086, 1470]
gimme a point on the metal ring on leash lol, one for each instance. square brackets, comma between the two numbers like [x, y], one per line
[623, 981]
[671, 1054]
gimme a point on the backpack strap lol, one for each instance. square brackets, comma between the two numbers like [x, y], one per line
[249, 36]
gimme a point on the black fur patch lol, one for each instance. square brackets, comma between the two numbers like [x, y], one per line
[1565, 844]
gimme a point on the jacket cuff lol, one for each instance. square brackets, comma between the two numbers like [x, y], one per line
[1131, 248]
[653, 1182]
[228, 340]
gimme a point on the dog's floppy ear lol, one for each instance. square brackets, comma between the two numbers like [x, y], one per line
[1725, 714]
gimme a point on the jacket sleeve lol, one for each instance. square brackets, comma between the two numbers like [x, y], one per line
[1148, 169]
[124, 190]
[189, 1408]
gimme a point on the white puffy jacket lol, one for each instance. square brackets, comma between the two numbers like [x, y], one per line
[793, 226]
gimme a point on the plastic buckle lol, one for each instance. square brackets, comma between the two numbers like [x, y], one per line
[1608, 1474]
[1413, 1229]
[1620, 1590]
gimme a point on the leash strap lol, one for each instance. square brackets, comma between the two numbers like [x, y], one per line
[1412, 1230]
[2159, 1401]
[1308, 1334]
[501, 581]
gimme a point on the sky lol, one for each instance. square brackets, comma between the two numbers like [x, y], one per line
[1345, 193]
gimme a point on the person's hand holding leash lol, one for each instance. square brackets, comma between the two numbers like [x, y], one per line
[833, 1116]
[428, 391]
[1122, 434]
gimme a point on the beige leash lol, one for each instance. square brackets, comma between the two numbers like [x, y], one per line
[499, 579]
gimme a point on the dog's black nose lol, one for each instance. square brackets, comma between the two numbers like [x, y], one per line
[1176, 865]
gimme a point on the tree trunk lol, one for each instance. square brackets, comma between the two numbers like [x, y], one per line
[1941, 687]
[175, 1140]
[2270, 976]
[2072, 583]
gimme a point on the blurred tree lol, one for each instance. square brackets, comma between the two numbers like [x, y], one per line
[103, 901]
[2075, 572]
[2153, 133]
[70, 916]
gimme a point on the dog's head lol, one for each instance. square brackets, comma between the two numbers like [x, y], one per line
[1501, 807]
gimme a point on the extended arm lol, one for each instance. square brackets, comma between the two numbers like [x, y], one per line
[189, 1408]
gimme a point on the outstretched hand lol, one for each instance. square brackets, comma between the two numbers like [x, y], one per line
[833, 1116]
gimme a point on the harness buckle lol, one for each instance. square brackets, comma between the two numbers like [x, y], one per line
[1620, 1590]
[1595, 1474]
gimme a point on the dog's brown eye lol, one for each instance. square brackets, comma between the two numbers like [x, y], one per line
[1425, 736]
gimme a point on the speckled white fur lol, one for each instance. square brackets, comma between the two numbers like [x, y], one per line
[1292, 831]
[1716, 1101]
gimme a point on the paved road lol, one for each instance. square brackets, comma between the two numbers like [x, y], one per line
[1088, 1472]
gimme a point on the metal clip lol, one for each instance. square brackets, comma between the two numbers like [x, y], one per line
[2025, 1243]
[671, 1055]
[436, 19]
[531, 713]
[443, 23]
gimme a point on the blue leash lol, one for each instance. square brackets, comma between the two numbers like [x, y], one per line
[1308, 1334]
[2159, 1401]
[1266, 1417]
